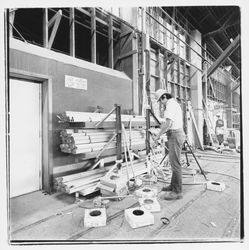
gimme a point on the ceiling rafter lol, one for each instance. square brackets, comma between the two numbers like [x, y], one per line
[222, 28]
[217, 21]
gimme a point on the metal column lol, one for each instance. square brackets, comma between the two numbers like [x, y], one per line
[119, 135]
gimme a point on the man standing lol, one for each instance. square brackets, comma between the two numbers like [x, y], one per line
[219, 129]
[173, 127]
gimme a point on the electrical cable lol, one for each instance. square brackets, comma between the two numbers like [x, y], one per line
[211, 172]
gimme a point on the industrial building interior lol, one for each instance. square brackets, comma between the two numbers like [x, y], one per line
[89, 78]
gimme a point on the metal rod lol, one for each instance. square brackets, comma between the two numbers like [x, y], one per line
[115, 197]
[129, 152]
[186, 142]
[103, 149]
[100, 122]
[126, 161]
[18, 32]
[147, 131]
[153, 115]
[119, 134]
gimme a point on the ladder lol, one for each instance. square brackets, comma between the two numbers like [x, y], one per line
[210, 127]
[190, 109]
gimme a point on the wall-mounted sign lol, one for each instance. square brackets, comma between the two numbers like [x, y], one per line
[75, 82]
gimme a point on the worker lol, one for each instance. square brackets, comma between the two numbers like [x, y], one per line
[219, 129]
[173, 127]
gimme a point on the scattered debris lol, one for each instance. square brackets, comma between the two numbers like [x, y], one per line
[213, 224]
[165, 220]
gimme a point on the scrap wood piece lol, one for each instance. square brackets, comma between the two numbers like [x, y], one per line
[85, 173]
[89, 189]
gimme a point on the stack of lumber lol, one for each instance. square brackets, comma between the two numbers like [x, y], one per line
[88, 181]
[85, 138]
[91, 140]
[81, 181]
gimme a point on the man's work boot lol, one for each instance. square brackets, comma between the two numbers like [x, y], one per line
[167, 188]
[172, 196]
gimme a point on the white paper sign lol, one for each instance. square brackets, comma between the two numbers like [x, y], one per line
[75, 82]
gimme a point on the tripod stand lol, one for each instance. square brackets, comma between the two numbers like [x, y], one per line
[185, 145]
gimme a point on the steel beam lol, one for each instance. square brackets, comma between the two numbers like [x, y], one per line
[228, 51]
[235, 87]
[72, 32]
[45, 27]
[228, 58]
[110, 43]
[119, 135]
[93, 35]
[56, 20]
[147, 131]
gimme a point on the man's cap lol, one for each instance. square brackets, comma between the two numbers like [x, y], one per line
[159, 93]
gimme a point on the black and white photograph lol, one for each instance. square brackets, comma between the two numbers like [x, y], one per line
[123, 124]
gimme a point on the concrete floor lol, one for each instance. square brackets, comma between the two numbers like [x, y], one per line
[202, 215]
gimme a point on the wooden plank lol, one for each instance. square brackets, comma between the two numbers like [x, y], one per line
[111, 151]
[88, 116]
[126, 42]
[130, 53]
[68, 167]
[107, 124]
[84, 174]
[91, 188]
[125, 33]
[75, 189]
[81, 181]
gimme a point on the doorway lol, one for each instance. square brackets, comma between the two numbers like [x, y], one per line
[25, 137]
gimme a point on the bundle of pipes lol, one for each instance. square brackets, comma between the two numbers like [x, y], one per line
[91, 140]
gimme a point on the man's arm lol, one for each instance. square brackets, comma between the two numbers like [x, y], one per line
[164, 128]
